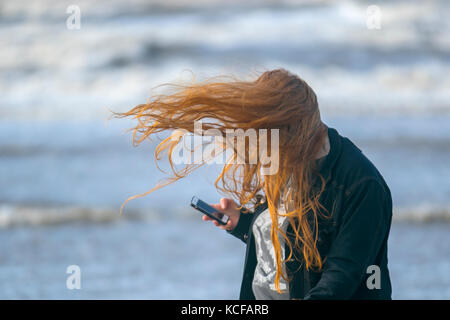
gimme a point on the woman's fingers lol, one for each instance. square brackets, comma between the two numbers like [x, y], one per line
[224, 203]
[227, 226]
[206, 218]
[217, 206]
[225, 206]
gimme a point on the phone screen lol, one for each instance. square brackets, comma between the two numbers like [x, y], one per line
[205, 208]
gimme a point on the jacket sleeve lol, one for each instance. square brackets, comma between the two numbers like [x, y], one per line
[363, 228]
[243, 226]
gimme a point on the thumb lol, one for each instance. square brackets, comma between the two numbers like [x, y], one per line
[224, 203]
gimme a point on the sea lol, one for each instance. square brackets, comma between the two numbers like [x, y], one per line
[66, 166]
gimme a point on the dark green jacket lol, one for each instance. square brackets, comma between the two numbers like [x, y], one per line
[354, 238]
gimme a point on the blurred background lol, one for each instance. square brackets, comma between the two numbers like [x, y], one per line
[65, 170]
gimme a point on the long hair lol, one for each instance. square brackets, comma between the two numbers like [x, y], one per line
[277, 99]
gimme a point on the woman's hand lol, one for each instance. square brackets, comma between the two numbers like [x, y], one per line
[230, 208]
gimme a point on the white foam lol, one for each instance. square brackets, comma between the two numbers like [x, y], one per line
[21, 215]
[11, 216]
[51, 73]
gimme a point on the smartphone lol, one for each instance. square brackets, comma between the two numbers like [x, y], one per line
[205, 208]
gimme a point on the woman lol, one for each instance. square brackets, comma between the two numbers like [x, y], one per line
[318, 227]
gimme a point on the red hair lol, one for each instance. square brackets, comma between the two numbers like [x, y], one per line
[277, 99]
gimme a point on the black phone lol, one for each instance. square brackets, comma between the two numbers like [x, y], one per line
[205, 208]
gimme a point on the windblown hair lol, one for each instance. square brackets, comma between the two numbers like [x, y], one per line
[277, 99]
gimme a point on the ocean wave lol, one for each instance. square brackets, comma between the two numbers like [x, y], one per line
[113, 62]
[20, 215]
[424, 213]
[12, 215]
[54, 10]
[288, 35]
